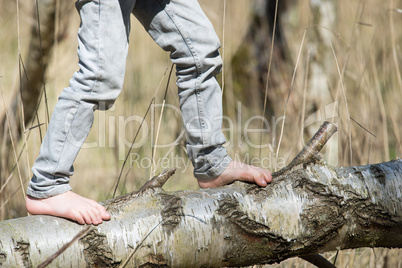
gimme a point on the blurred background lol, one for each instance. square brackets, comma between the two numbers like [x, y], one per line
[338, 61]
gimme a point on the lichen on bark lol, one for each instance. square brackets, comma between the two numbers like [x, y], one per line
[97, 251]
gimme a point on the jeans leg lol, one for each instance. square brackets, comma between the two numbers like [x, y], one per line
[102, 52]
[182, 28]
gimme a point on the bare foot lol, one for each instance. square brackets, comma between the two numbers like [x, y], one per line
[239, 172]
[69, 205]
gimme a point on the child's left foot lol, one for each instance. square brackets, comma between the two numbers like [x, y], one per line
[68, 205]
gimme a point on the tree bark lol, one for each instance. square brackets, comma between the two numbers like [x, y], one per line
[250, 63]
[305, 210]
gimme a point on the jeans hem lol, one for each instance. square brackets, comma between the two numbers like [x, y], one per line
[214, 171]
[56, 190]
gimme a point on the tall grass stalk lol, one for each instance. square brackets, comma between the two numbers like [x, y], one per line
[13, 147]
[346, 103]
[153, 169]
[288, 97]
[271, 53]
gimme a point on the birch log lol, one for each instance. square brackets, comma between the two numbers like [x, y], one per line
[306, 210]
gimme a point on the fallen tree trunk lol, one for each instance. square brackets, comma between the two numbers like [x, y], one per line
[306, 210]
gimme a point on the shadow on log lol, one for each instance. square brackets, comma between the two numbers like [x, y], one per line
[308, 209]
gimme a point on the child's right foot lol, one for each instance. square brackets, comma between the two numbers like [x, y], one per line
[237, 171]
[68, 205]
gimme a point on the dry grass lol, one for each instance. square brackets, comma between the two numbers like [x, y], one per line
[361, 52]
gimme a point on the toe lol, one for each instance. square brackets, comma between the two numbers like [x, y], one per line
[88, 215]
[103, 214]
[96, 217]
[260, 177]
[268, 176]
[78, 218]
[262, 182]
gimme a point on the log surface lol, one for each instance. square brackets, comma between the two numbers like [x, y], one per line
[307, 210]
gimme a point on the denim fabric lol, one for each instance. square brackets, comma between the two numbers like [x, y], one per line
[179, 27]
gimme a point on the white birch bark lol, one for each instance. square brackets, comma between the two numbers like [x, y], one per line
[306, 210]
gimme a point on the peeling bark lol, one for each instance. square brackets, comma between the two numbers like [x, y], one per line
[307, 210]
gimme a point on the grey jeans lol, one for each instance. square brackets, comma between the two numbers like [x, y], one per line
[179, 27]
